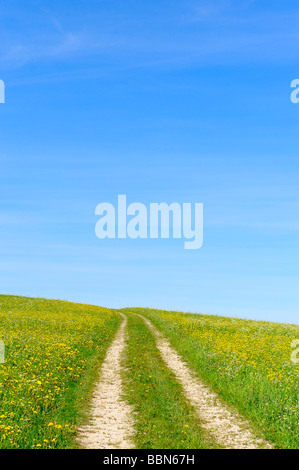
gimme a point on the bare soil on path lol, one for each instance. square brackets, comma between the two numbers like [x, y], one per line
[111, 424]
[227, 427]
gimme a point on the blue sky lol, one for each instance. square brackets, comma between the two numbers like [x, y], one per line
[185, 101]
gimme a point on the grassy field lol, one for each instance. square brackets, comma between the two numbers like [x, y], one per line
[247, 362]
[53, 352]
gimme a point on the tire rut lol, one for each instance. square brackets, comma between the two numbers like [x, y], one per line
[111, 423]
[228, 428]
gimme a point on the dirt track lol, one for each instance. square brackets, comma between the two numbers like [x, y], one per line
[111, 425]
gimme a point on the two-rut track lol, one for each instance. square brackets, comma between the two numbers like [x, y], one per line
[112, 425]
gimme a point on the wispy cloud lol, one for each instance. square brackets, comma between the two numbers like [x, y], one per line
[222, 31]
